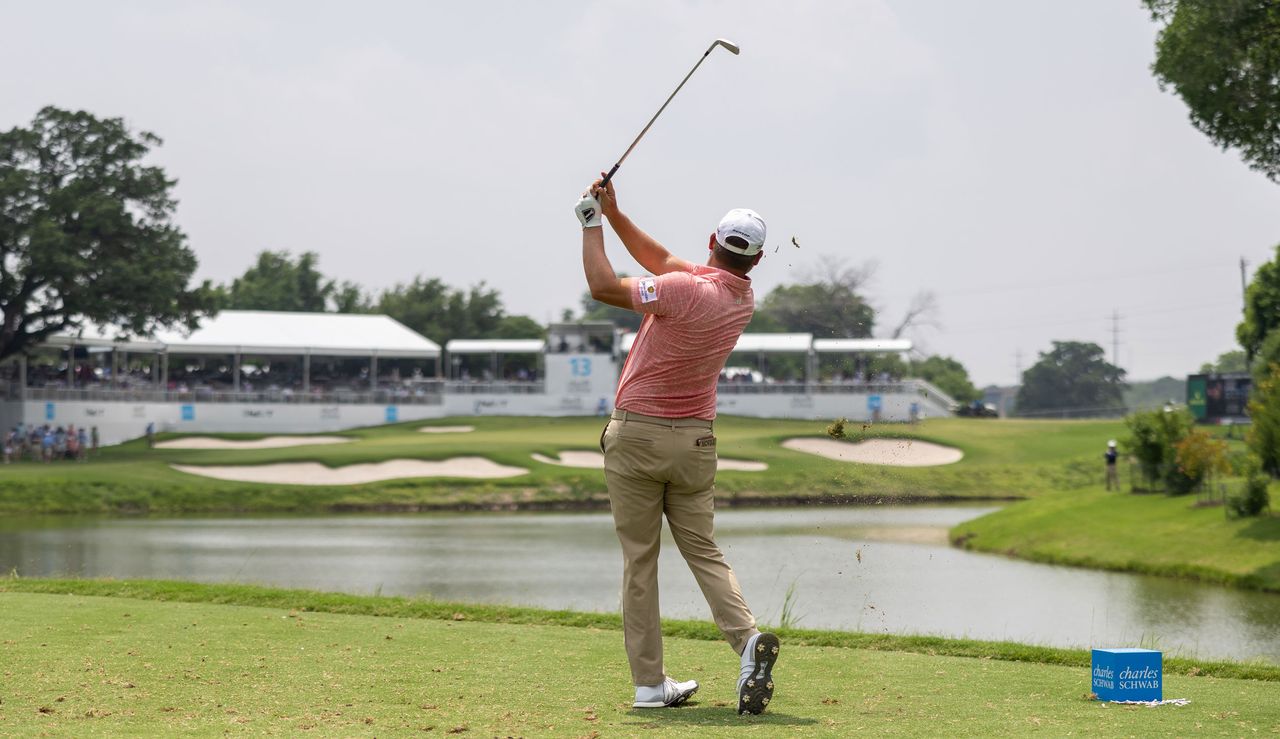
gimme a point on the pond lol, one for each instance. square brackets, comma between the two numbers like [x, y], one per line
[878, 569]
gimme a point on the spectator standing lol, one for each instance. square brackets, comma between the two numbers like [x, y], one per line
[83, 443]
[94, 436]
[1113, 478]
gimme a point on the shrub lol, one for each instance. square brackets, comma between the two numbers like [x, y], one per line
[1197, 455]
[1255, 499]
[1153, 437]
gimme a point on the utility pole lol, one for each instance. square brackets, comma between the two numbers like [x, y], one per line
[1017, 367]
[1244, 306]
[1115, 336]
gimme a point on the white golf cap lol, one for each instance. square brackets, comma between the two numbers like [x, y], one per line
[745, 227]
[1111, 443]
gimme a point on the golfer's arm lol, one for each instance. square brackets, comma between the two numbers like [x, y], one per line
[645, 249]
[604, 283]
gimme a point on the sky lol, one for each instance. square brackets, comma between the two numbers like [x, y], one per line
[1015, 158]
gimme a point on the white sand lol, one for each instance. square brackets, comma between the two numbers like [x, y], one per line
[446, 429]
[596, 460]
[270, 442]
[896, 452]
[314, 473]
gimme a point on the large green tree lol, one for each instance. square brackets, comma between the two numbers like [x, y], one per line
[1222, 57]
[1073, 375]
[86, 233]
[949, 375]
[1261, 309]
[441, 313]
[277, 281]
[829, 304]
[1229, 361]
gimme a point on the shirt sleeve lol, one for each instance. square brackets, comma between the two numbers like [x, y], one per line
[670, 294]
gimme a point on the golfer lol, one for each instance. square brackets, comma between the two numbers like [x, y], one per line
[659, 448]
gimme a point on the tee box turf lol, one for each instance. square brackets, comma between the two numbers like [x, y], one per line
[1128, 675]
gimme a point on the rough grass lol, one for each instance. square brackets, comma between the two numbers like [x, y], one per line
[87, 665]
[1003, 459]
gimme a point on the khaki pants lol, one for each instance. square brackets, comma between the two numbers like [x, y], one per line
[1113, 479]
[657, 466]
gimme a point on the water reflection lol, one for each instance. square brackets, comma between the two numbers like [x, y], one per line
[871, 569]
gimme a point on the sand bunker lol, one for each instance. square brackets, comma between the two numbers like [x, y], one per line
[270, 442]
[314, 473]
[896, 452]
[596, 460]
[446, 429]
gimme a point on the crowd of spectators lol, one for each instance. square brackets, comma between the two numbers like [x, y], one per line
[48, 443]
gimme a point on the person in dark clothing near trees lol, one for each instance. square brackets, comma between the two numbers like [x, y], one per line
[1112, 477]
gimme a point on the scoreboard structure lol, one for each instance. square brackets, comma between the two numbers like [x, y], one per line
[1220, 398]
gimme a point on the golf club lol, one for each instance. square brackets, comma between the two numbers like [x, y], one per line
[728, 45]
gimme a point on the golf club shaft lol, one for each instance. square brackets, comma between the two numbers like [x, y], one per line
[607, 177]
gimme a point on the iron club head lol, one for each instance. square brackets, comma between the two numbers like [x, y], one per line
[727, 44]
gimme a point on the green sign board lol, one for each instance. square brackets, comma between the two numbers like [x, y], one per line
[1197, 401]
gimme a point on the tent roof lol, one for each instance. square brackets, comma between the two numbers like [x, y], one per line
[857, 346]
[277, 333]
[490, 346]
[777, 343]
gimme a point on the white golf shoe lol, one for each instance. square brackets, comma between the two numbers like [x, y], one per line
[667, 695]
[755, 679]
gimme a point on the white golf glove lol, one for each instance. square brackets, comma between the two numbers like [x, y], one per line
[588, 210]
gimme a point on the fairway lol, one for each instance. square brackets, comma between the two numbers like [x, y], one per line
[1001, 460]
[86, 666]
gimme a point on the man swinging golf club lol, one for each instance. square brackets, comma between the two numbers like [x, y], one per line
[660, 451]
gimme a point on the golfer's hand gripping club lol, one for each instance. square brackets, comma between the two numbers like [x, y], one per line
[588, 211]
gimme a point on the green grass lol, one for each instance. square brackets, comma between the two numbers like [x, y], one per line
[175, 658]
[1003, 459]
[1155, 534]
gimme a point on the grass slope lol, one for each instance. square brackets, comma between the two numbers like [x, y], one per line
[1154, 534]
[1002, 459]
[90, 665]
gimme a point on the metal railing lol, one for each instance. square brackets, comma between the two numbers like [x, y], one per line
[427, 394]
[495, 387]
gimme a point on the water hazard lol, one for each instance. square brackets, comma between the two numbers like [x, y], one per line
[878, 569]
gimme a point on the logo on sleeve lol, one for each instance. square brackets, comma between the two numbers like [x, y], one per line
[648, 290]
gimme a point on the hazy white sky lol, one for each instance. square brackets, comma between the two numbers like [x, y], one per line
[1015, 157]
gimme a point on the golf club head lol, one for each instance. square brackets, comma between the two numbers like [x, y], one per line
[727, 44]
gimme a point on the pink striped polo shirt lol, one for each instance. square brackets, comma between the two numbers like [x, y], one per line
[693, 320]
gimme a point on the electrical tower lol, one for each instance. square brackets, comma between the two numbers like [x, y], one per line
[1115, 337]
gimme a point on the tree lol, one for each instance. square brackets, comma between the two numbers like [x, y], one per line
[1073, 375]
[1261, 308]
[441, 313]
[518, 327]
[1222, 57]
[86, 233]
[1155, 438]
[1231, 361]
[828, 305]
[1264, 414]
[278, 282]
[949, 375]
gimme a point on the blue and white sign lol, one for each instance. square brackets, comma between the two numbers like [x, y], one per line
[392, 414]
[873, 402]
[188, 412]
[49, 413]
[1127, 675]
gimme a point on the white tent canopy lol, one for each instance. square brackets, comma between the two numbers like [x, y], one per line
[495, 346]
[860, 346]
[775, 343]
[295, 334]
[274, 333]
